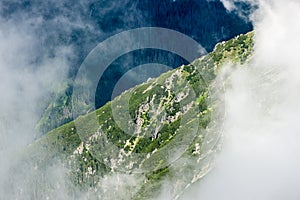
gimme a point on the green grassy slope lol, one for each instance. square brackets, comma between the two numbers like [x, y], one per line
[172, 134]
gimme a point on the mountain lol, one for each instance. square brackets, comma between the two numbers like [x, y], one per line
[64, 26]
[161, 135]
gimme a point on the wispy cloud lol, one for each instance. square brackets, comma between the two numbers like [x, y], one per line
[260, 156]
[28, 75]
[39, 46]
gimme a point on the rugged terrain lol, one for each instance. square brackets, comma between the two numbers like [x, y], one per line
[159, 136]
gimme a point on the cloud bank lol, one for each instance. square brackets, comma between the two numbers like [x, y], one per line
[261, 153]
[27, 79]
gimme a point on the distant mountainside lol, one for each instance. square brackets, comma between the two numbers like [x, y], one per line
[82, 25]
[171, 137]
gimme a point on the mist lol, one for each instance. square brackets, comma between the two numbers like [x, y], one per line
[261, 151]
[28, 78]
[36, 60]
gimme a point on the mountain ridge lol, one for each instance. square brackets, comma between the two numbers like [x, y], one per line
[176, 98]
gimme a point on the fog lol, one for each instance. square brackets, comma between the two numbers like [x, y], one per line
[259, 159]
[27, 80]
[36, 59]
[261, 151]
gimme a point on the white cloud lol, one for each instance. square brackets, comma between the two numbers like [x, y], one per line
[261, 153]
[27, 78]
[229, 5]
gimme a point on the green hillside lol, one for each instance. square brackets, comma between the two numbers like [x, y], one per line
[167, 129]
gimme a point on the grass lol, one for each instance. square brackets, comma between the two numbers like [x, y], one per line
[198, 77]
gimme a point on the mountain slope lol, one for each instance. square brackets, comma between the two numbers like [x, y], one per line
[166, 130]
[80, 26]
